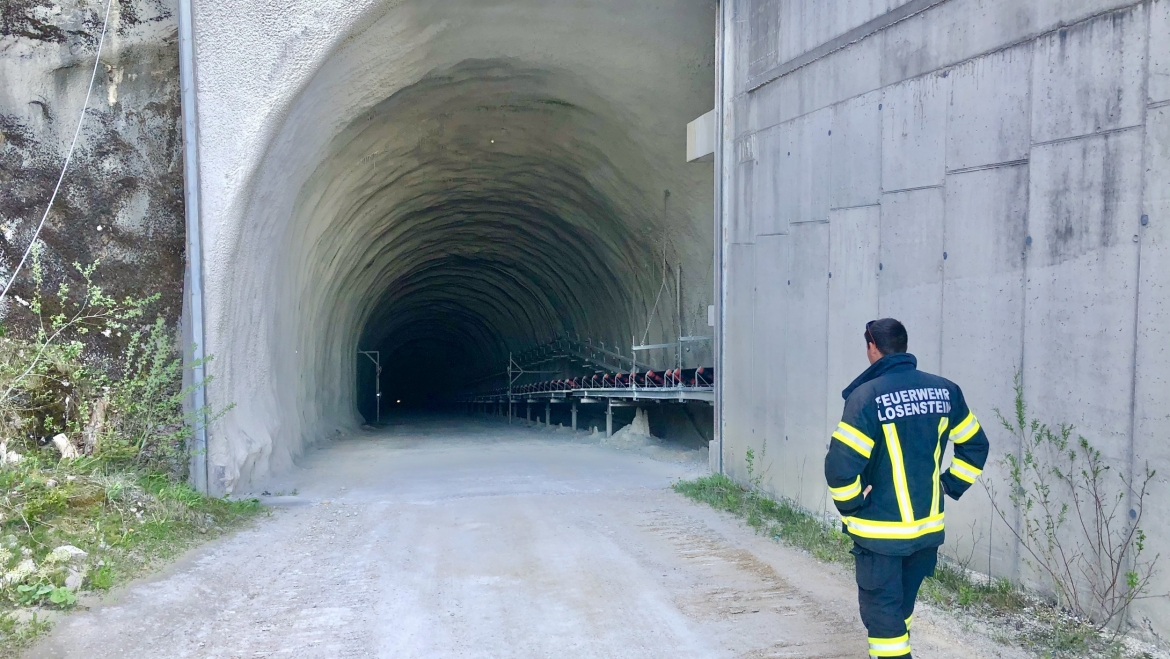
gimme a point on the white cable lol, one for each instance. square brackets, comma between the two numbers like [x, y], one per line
[650, 320]
[68, 157]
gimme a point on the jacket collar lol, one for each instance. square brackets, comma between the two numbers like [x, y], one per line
[897, 362]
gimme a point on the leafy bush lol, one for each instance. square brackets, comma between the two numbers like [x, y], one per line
[125, 409]
[92, 451]
[47, 381]
[1073, 522]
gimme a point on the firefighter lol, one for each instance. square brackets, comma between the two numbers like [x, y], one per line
[885, 475]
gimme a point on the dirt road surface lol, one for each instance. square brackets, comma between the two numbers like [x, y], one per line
[468, 538]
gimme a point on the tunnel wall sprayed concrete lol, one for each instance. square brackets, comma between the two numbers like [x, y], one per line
[446, 181]
[979, 170]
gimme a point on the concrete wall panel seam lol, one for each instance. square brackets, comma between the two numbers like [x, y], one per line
[1091, 75]
[1087, 136]
[1017, 556]
[1131, 462]
[1022, 40]
[914, 189]
[849, 208]
[997, 165]
[875, 26]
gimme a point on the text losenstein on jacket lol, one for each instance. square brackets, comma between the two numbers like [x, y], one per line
[893, 435]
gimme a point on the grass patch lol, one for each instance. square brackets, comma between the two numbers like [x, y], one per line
[75, 527]
[779, 519]
[1015, 616]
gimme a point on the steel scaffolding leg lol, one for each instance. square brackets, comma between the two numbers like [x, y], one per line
[609, 418]
[574, 415]
[509, 411]
[548, 414]
[528, 412]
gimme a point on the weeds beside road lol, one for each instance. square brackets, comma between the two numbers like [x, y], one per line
[72, 528]
[1010, 614]
[93, 453]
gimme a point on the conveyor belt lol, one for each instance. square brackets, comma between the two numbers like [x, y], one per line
[679, 384]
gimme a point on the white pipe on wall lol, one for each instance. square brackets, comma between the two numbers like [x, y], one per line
[198, 447]
[720, 233]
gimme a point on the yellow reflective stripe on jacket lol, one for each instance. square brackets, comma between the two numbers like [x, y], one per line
[846, 493]
[867, 528]
[853, 438]
[965, 430]
[889, 647]
[965, 471]
[901, 487]
[935, 494]
[909, 621]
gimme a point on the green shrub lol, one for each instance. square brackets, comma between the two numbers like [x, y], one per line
[98, 519]
[1077, 521]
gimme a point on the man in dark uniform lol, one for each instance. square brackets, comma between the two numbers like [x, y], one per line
[884, 470]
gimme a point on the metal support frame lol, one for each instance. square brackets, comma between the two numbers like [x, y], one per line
[676, 344]
[609, 418]
[615, 396]
[376, 357]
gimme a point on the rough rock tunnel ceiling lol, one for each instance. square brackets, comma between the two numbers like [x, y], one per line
[481, 187]
[495, 222]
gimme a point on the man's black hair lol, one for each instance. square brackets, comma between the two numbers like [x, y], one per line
[888, 335]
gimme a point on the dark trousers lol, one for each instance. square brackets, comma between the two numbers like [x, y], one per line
[886, 589]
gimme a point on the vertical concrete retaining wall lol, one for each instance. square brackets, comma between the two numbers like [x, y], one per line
[979, 170]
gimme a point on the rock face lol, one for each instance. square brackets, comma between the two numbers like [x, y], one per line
[121, 201]
[66, 448]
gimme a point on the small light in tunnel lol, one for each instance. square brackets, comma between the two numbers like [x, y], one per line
[398, 401]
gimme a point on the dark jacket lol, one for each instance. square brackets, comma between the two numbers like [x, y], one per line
[893, 435]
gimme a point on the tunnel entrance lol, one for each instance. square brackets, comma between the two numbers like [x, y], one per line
[457, 183]
[502, 222]
[505, 207]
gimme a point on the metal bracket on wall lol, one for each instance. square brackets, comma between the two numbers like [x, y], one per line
[376, 357]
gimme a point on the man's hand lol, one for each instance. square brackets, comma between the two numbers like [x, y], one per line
[947, 490]
[865, 494]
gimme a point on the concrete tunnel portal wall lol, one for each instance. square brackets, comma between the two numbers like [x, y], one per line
[994, 173]
[444, 182]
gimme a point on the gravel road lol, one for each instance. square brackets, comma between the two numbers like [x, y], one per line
[441, 537]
